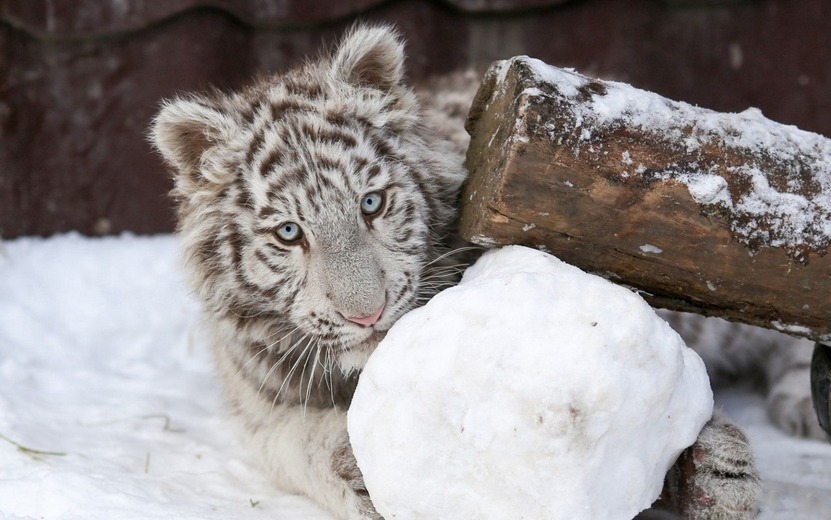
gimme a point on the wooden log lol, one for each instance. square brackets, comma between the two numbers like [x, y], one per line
[722, 214]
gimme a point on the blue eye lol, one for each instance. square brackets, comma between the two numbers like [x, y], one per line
[289, 232]
[372, 203]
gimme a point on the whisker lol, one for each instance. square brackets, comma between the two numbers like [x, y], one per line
[312, 375]
[444, 278]
[268, 346]
[280, 362]
[435, 268]
[440, 284]
[305, 357]
[255, 356]
[452, 252]
[280, 330]
[448, 267]
[330, 372]
[291, 371]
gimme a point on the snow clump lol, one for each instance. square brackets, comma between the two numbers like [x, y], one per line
[530, 390]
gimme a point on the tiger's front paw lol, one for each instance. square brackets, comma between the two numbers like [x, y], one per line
[345, 468]
[715, 478]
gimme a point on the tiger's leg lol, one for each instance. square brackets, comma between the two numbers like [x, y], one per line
[715, 478]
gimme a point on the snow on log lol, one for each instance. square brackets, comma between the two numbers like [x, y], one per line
[723, 214]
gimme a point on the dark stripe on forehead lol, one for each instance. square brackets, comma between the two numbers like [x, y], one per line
[245, 198]
[249, 113]
[277, 187]
[313, 196]
[337, 119]
[266, 212]
[306, 130]
[297, 203]
[274, 158]
[281, 109]
[324, 182]
[344, 119]
[336, 136]
[312, 189]
[327, 162]
[383, 147]
[373, 172]
[359, 163]
[257, 141]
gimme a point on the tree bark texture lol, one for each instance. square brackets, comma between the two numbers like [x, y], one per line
[723, 214]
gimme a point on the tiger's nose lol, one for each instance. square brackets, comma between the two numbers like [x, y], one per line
[367, 321]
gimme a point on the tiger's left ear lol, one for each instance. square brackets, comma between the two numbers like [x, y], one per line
[370, 57]
[192, 135]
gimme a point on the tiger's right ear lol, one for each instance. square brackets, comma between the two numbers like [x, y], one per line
[370, 56]
[190, 134]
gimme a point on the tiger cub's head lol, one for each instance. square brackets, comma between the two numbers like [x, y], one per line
[312, 199]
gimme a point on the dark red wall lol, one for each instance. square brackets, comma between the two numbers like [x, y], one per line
[79, 81]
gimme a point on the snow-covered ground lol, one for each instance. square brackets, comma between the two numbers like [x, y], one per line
[110, 409]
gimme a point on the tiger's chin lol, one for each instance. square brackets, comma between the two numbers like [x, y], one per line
[353, 357]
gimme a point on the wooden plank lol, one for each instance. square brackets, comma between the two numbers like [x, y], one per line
[723, 214]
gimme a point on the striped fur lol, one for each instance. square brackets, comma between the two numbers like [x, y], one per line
[304, 148]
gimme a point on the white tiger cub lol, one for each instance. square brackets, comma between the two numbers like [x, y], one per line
[315, 208]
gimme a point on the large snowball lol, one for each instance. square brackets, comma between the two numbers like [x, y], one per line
[531, 390]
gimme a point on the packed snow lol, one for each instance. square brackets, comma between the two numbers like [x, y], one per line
[527, 377]
[779, 197]
[110, 408]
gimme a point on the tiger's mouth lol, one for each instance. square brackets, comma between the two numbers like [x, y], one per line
[352, 352]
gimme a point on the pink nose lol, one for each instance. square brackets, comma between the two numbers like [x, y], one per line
[367, 321]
